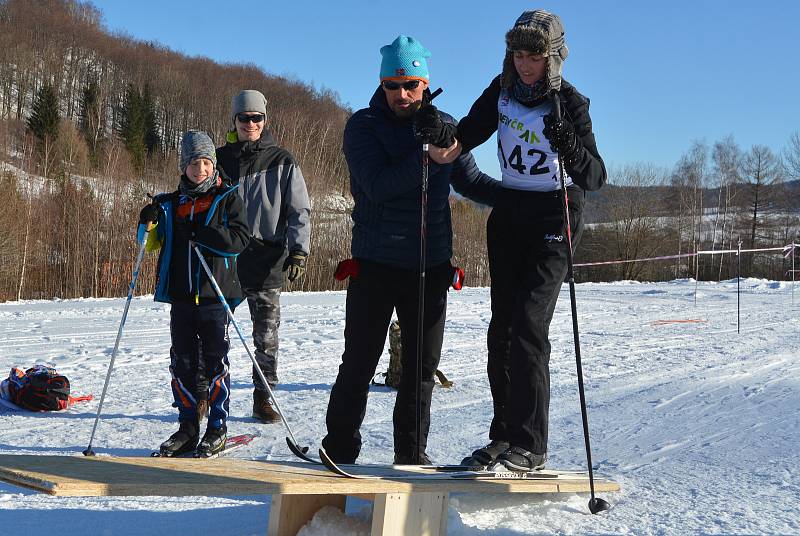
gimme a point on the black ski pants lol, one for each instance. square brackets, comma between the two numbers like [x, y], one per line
[199, 350]
[371, 297]
[527, 245]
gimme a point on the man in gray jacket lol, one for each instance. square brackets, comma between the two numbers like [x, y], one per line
[278, 215]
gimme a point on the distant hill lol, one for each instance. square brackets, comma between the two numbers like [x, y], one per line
[599, 203]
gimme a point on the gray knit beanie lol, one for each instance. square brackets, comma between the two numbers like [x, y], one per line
[540, 32]
[196, 144]
[248, 100]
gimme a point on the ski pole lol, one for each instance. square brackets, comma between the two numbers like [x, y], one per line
[244, 343]
[423, 234]
[141, 237]
[595, 503]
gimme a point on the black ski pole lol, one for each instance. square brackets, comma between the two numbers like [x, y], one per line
[142, 240]
[596, 504]
[423, 235]
[227, 307]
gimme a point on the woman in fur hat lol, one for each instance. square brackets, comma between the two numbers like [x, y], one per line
[526, 233]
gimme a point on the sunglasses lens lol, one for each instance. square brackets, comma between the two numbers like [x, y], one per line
[255, 118]
[391, 85]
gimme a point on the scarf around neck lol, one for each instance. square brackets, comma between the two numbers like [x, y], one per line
[529, 95]
[188, 188]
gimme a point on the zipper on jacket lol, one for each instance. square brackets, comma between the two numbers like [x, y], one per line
[189, 256]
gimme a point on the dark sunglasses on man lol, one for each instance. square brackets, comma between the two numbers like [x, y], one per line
[391, 85]
[250, 118]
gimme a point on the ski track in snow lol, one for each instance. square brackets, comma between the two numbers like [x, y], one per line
[700, 425]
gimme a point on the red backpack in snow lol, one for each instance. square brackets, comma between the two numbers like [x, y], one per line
[40, 388]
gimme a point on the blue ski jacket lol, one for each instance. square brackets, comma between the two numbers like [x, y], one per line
[216, 223]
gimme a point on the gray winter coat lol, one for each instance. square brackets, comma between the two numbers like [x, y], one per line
[277, 205]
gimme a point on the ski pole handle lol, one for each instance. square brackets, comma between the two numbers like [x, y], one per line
[556, 105]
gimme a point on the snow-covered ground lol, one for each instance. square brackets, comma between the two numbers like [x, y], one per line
[698, 423]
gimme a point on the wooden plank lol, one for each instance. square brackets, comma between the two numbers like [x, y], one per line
[105, 476]
[288, 513]
[399, 514]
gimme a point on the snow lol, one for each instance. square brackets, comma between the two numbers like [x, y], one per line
[698, 423]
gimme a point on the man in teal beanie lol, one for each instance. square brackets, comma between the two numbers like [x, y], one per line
[384, 157]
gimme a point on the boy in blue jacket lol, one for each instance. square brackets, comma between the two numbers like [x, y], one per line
[203, 213]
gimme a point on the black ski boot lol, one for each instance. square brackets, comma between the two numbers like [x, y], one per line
[213, 442]
[519, 460]
[484, 457]
[408, 459]
[262, 408]
[182, 441]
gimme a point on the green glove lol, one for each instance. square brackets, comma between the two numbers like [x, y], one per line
[295, 265]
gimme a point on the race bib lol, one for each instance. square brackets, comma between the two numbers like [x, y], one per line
[526, 160]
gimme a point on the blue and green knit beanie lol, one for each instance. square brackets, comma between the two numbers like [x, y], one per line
[404, 59]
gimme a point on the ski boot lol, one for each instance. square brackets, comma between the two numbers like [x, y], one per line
[483, 457]
[262, 408]
[182, 441]
[213, 442]
[518, 459]
[408, 459]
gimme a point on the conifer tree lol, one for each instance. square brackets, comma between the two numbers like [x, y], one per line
[91, 114]
[138, 126]
[44, 120]
[151, 138]
[132, 126]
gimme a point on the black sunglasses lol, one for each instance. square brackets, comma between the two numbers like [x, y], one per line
[391, 85]
[252, 118]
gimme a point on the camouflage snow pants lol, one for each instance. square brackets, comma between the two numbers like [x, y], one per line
[265, 312]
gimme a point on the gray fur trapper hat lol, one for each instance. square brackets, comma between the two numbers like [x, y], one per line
[540, 32]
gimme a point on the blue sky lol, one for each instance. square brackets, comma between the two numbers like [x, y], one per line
[659, 74]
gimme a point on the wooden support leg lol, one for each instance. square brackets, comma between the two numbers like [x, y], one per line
[398, 514]
[289, 513]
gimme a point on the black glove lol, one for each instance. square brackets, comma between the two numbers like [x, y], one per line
[563, 138]
[149, 213]
[295, 265]
[429, 127]
[185, 228]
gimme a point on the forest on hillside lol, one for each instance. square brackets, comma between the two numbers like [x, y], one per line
[90, 123]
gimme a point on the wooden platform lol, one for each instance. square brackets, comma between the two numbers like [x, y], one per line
[414, 505]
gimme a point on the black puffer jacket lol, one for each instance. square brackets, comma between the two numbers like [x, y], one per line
[481, 122]
[385, 162]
